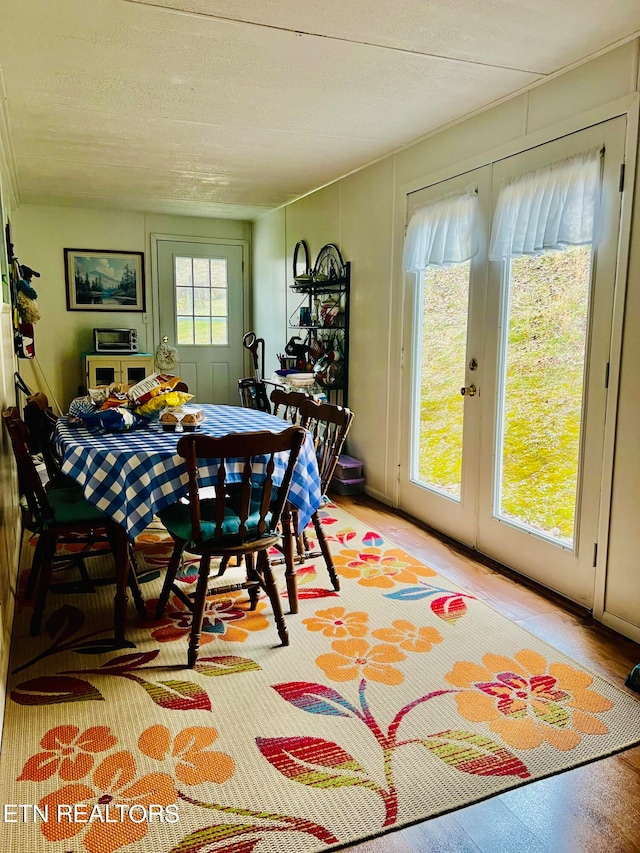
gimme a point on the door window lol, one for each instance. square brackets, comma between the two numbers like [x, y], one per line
[202, 304]
[442, 347]
[542, 385]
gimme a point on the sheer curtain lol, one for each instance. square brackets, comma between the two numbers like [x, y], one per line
[550, 208]
[442, 232]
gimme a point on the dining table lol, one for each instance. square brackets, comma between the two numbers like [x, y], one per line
[133, 475]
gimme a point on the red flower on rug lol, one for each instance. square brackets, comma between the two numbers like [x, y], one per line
[224, 619]
[528, 701]
[373, 566]
[67, 752]
[194, 763]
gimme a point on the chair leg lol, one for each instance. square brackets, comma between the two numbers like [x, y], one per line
[47, 553]
[36, 563]
[254, 591]
[326, 552]
[299, 537]
[169, 578]
[134, 586]
[199, 602]
[290, 569]
[264, 570]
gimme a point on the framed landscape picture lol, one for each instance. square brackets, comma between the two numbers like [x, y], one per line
[102, 280]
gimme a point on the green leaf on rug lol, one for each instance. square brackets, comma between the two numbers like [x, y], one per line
[177, 695]
[225, 665]
[208, 835]
[54, 689]
[475, 754]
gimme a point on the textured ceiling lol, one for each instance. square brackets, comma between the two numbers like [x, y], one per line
[214, 108]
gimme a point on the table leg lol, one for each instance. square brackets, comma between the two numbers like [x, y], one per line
[121, 556]
[287, 546]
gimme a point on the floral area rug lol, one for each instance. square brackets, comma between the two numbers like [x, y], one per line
[399, 698]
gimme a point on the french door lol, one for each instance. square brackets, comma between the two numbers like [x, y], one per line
[504, 392]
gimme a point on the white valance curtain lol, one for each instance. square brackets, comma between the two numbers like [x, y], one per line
[550, 208]
[442, 232]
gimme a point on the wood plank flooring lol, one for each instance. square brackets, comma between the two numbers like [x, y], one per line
[591, 808]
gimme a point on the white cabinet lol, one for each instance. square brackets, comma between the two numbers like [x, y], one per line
[100, 369]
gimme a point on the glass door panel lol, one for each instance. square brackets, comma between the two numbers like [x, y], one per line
[542, 385]
[438, 411]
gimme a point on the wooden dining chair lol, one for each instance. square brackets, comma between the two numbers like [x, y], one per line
[58, 513]
[286, 404]
[242, 522]
[253, 394]
[41, 423]
[329, 426]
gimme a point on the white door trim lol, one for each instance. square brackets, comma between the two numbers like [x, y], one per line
[615, 358]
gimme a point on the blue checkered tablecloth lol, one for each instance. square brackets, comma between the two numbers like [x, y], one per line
[133, 475]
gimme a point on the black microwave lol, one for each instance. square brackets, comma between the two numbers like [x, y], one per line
[115, 340]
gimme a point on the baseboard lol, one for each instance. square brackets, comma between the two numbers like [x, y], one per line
[374, 493]
[621, 626]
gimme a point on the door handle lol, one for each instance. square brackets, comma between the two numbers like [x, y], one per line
[469, 391]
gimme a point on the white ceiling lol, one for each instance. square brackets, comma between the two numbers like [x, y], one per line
[219, 108]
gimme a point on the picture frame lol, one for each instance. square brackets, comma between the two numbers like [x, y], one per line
[104, 280]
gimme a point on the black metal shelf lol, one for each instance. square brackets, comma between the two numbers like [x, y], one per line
[314, 291]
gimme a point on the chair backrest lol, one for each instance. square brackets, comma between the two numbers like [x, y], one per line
[28, 477]
[329, 425]
[253, 394]
[41, 423]
[255, 495]
[286, 404]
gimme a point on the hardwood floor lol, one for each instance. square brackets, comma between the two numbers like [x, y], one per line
[591, 808]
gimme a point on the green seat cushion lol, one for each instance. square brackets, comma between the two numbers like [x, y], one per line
[69, 506]
[177, 520]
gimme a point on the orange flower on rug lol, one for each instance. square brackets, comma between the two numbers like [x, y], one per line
[528, 701]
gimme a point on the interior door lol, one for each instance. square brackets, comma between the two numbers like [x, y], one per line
[535, 365]
[201, 299]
